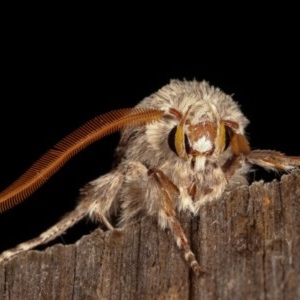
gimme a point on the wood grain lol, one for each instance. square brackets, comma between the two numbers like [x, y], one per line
[248, 242]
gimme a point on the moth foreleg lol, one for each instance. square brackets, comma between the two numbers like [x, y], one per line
[101, 196]
[50, 234]
[273, 160]
[97, 201]
[167, 217]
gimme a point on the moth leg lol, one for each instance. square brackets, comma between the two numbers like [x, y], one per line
[56, 230]
[98, 201]
[167, 217]
[107, 223]
[273, 160]
[267, 159]
[102, 197]
[101, 219]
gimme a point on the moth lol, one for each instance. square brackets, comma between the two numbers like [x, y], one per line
[180, 148]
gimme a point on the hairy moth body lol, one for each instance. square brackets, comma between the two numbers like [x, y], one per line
[194, 151]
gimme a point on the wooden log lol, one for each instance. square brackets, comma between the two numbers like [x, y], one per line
[248, 242]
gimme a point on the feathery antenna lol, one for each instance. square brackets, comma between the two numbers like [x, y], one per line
[69, 146]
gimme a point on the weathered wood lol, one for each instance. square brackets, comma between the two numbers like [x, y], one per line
[249, 243]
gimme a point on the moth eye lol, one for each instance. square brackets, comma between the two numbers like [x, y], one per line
[228, 136]
[172, 141]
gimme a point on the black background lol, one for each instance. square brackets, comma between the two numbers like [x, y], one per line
[60, 70]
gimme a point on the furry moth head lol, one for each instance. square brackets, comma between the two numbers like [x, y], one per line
[200, 122]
